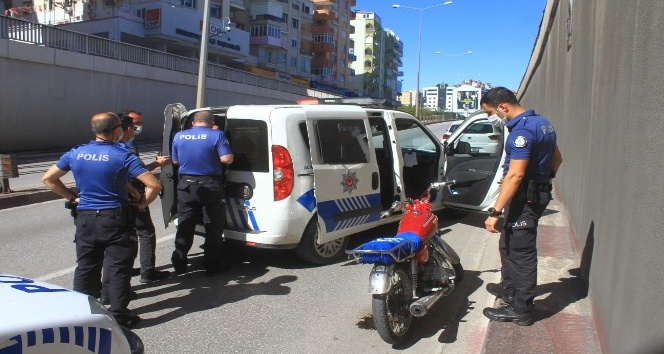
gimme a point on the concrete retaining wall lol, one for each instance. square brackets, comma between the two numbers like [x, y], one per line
[604, 96]
[49, 95]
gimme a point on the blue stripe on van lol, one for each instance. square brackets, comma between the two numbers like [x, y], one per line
[330, 209]
[95, 335]
[251, 215]
[308, 200]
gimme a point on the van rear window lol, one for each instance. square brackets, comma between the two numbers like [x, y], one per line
[248, 139]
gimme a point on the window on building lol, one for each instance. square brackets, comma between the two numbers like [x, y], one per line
[293, 42]
[295, 23]
[281, 58]
[295, 6]
[284, 17]
[293, 62]
[306, 8]
[265, 30]
[305, 66]
[215, 10]
[188, 3]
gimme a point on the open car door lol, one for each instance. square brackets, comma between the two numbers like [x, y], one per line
[478, 171]
[346, 179]
[173, 114]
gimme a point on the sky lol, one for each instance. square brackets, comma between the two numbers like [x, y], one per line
[500, 33]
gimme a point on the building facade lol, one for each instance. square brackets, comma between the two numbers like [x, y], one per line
[434, 97]
[379, 52]
[306, 42]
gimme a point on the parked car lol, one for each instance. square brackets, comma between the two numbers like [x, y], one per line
[455, 124]
[42, 318]
[307, 176]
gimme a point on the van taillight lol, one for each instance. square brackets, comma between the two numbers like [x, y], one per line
[283, 172]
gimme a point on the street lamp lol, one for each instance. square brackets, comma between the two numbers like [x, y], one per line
[454, 55]
[419, 47]
[203, 57]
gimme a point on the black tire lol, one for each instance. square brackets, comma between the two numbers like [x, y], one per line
[391, 313]
[458, 271]
[310, 251]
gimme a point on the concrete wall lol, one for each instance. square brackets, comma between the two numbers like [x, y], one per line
[604, 96]
[47, 96]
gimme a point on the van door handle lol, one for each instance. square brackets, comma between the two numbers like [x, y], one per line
[374, 180]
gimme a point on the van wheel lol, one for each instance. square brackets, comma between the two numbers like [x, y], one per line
[310, 251]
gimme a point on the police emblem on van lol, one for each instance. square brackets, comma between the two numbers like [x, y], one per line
[349, 182]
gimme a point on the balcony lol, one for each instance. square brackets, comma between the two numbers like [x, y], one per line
[323, 28]
[323, 47]
[351, 30]
[268, 41]
[306, 47]
[352, 57]
[270, 64]
[324, 15]
[322, 62]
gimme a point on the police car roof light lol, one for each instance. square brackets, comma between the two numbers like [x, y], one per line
[358, 101]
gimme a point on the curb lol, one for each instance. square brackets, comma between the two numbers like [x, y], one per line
[29, 196]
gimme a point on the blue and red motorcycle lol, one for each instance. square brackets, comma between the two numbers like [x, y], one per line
[412, 270]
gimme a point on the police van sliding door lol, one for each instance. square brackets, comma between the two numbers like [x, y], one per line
[346, 180]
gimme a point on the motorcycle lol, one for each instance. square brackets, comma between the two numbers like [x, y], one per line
[412, 270]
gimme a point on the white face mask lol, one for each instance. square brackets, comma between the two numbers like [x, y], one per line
[139, 129]
[497, 121]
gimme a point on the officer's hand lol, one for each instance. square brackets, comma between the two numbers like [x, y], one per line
[491, 224]
[163, 160]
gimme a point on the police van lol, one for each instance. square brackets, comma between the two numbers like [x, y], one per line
[306, 176]
[42, 318]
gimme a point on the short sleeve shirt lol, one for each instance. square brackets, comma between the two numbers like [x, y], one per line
[533, 138]
[198, 150]
[101, 170]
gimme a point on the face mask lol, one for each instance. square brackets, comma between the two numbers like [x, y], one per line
[139, 129]
[497, 121]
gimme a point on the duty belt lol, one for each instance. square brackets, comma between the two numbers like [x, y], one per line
[104, 212]
[199, 179]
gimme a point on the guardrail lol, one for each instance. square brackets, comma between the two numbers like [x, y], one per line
[49, 36]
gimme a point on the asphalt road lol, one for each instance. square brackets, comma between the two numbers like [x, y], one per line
[270, 302]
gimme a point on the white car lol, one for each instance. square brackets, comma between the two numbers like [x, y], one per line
[307, 176]
[42, 318]
[483, 137]
[455, 124]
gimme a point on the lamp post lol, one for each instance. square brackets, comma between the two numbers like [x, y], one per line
[419, 47]
[454, 55]
[202, 60]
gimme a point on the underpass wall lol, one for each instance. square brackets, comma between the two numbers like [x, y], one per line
[603, 95]
[47, 96]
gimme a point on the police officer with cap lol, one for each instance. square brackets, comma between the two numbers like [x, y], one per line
[200, 153]
[105, 233]
[532, 159]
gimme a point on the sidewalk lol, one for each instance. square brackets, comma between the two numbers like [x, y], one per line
[564, 321]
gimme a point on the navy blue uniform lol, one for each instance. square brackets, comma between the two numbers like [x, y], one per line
[200, 193]
[105, 232]
[531, 137]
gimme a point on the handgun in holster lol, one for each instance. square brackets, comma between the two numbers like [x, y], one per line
[72, 206]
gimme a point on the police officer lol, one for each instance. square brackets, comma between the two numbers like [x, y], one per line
[200, 153]
[105, 233]
[532, 159]
[132, 123]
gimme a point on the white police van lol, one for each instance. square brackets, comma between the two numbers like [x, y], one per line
[305, 176]
[42, 318]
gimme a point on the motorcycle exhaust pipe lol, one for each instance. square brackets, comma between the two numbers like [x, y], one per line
[420, 307]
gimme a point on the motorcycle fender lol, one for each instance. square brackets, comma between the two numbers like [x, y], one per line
[379, 279]
[446, 250]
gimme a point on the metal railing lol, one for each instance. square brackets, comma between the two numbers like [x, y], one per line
[49, 36]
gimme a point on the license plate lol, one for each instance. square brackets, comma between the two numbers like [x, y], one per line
[474, 150]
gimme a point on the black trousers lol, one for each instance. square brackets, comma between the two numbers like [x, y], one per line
[200, 199]
[105, 240]
[518, 249]
[147, 240]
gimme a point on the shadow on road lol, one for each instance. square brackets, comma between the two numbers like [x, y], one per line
[208, 292]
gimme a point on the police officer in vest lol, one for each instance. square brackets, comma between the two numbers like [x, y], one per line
[532, 159]
[105, 233]
[200, 153]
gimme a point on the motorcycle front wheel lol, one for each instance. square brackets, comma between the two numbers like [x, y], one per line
[391, 310]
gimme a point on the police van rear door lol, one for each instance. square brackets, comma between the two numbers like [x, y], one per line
[346, 180]
[173, 114]
[478, 171]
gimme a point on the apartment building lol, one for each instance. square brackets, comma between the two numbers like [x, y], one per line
[332, 43]
[407, 98]
[434, 97]
[302, 41]
[379, 53]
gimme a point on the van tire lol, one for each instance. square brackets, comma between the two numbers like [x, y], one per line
[310, 251]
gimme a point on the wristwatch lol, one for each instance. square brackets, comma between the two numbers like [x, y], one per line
[494, 213]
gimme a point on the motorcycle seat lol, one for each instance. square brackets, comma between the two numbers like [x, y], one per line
[388, 250]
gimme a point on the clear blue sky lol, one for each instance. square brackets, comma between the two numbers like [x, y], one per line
[501, 34]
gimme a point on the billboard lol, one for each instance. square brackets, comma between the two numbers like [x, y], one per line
[467, 100]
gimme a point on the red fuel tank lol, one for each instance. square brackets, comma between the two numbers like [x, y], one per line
[422, 222]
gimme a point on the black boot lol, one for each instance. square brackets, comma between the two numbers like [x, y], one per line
[508, 314]
[498, 291]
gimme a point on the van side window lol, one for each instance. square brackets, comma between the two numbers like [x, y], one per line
[342, 141]
[248, 139]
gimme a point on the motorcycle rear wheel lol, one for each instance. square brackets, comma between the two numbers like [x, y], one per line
[391, 313]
